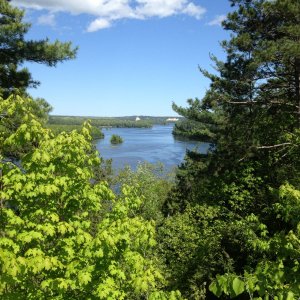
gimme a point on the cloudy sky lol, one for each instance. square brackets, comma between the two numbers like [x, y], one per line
[135, 56]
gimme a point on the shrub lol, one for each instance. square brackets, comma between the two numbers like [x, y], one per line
[116, 139]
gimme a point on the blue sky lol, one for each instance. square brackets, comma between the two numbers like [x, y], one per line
[135, 56]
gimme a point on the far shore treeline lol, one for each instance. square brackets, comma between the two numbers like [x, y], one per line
[130, 121]
[59, 124]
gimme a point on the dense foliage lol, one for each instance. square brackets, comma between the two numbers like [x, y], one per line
[152, 184]
[189, 129]
[129, 121]
[61, 235]
[99, 122]
[233, 214]
[116, 139]
[229, 225]
[96, 133]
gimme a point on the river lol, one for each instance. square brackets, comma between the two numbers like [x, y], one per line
[153, 145]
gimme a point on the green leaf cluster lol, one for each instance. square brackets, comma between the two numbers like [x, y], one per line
[96, 133]
[116, 139]
[63, 234]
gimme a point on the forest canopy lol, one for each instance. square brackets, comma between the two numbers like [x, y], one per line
[227, 226]
[239, 201]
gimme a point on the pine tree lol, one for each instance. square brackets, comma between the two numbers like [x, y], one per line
[232, 195]
[15, 50]
[251, 111]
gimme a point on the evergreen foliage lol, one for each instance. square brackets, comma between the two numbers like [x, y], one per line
[228, 214]
[190, 130]
[15, 50]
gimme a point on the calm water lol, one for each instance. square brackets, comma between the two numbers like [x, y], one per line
[153, 145]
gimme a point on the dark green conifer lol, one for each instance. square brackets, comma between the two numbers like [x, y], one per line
[15, 50]
[251, 117]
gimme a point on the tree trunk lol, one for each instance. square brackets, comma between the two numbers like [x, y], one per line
[297, 86]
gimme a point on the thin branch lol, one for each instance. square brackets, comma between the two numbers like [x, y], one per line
[250, 102]
[274, 146]
[242, 102]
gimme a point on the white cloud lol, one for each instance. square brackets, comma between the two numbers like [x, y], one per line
[98, 24]
[194, 10]
[47, 20]
[159, 8]
[106, 11]
[217, 21]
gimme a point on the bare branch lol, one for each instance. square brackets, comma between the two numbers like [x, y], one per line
[242, 102]
[274, 146]
[250, 102]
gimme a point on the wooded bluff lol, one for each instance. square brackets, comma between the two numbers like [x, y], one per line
[226, 225]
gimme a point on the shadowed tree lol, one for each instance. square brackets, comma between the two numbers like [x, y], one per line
[234, 200]
[15, 50]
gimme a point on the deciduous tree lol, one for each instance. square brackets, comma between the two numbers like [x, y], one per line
[63, 235]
